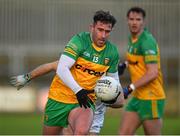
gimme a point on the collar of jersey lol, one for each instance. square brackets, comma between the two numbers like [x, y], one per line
[134, 40]
[98, 48]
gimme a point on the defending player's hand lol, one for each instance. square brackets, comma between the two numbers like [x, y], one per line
[122, 67]
[20, 81]
[83, 99]
[111, 101]
[128, 90]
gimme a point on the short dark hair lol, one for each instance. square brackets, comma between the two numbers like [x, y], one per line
[137, 10]
[104, 16]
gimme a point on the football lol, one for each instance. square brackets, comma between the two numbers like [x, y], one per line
[107, 88]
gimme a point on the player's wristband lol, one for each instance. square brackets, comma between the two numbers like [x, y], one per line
[132, 86]
[126, 63]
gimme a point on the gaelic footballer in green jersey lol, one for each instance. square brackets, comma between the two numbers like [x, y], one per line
[145, 51]
[91, 64]
[146, 105]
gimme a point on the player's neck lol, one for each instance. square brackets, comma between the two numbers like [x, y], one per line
[135, 36]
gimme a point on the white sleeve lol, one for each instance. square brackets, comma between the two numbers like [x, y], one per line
[63, 71]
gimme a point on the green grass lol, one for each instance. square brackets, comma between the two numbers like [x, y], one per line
[30, 124]
[20, 124]
[171, 125]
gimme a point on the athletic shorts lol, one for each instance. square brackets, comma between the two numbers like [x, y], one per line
[98, 119]
[56, 113]
[146, 109]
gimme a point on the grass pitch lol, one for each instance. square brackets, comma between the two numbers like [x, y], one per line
[31, 124]
[171, 125]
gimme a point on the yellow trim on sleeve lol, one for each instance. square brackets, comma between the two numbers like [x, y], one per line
[70, 51]
[151, 58]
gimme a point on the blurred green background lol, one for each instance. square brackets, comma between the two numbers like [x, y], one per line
[33, 32]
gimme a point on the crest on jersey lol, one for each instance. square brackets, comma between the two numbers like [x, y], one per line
[106, 61]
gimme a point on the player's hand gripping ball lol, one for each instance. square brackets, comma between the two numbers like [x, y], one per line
[107, 88]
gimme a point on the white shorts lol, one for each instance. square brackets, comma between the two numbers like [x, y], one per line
[98, 120]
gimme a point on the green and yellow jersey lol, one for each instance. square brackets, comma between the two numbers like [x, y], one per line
[142, 51]
[91, 63]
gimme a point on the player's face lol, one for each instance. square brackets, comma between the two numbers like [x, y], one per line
[100, 33]
[135, 23]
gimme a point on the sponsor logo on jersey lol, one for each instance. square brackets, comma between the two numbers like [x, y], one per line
[89, 71]
[87, 54]
[150, 52]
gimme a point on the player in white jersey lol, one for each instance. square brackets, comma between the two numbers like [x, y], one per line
[100, 107]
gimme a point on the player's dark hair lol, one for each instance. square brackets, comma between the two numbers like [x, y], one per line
[137, 10]
[104, 16]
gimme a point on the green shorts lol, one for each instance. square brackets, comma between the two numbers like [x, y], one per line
[146, 109]
[56, 113]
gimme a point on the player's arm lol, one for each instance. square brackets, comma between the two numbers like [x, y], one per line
[119, 101]
[121, 67]
[43, 69]
[150, 75]
[63, 71]
[21, 80]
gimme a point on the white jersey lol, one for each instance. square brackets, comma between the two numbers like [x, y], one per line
[98, 120]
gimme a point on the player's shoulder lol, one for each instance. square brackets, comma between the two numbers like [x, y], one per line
[84, 38]
[81, 39]
[147, 36]
[111, 51]
[112, 47]
[83, 35]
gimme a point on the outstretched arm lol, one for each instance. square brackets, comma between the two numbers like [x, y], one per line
[43, 69]
[21, 80]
